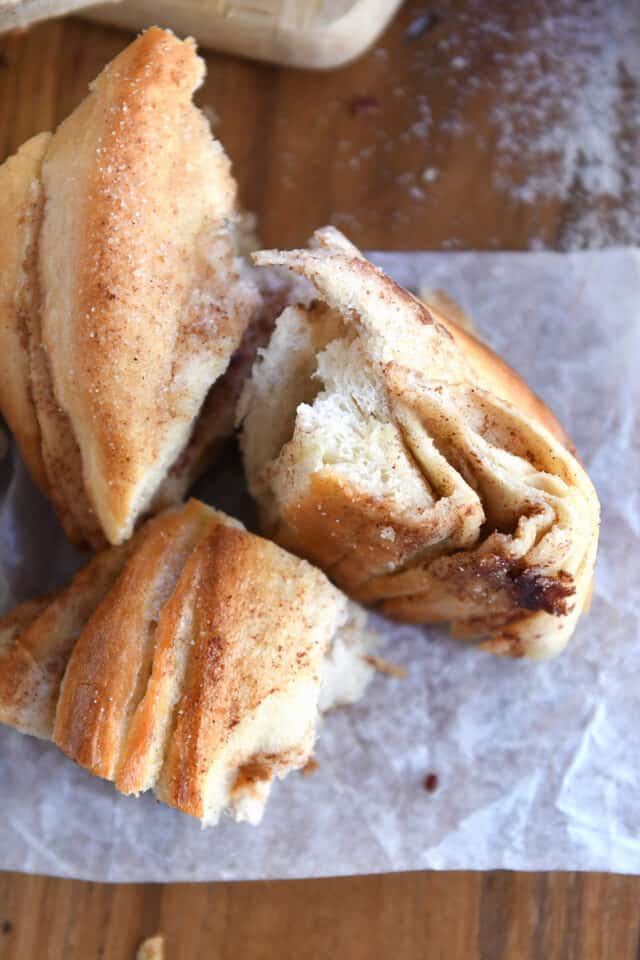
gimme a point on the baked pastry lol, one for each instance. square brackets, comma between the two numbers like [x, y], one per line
[192, 660]
[122, 298]
[411, 464]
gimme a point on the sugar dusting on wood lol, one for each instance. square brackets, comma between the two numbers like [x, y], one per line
[569, 113]
[565, 107]
[152, 949]
[545, 97]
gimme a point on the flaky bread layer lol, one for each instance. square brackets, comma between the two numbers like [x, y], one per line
[21, 215]
[413, 465]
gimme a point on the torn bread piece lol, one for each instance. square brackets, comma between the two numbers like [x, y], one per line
[122, 295]
[152, 948]
[398, 453]
[193, 661]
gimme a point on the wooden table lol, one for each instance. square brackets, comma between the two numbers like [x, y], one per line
[389, 151]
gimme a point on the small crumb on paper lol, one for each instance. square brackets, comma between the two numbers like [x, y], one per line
[431, 782]
[152, 948]
[310, 766]
[384, 666]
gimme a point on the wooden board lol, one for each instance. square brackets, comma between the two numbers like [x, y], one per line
[410, 916]
[305, 151]
[292, 137]
[301, 33]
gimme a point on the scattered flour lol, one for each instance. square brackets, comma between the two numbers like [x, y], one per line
[569, 109]
[564, 115]
[559, 84]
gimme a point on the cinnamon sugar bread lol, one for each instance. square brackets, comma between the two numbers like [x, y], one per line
[192, 661]
[398, 453]
[122, 299]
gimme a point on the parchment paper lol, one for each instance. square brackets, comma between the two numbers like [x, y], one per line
[538, 765]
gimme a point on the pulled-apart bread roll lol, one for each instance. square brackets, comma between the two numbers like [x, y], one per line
[193, 661]
[410, 463]
[122, 298]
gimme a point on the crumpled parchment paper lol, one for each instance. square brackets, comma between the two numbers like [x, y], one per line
[538, 765]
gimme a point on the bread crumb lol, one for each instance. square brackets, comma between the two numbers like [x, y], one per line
[431, 782]
[383, 666]
[152, 948]
[310, 766]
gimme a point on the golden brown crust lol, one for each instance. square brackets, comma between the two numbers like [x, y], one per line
[333, 514]
[496, 376]
[107, 670]
[224, 684]
[20, 215]
[41, 428]
[33, 663]
[122, 299]
[60, 451]
[15, 622]
[152, 717]
[146, 310]
[440, 302]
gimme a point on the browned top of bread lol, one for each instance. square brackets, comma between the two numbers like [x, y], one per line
[109, 664]
[143, 304]
[122, 297]
[27, 398]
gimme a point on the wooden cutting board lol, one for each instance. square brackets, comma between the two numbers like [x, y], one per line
[302, 33]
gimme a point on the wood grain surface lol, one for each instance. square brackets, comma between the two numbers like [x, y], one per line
[407, 916]
[348, 147]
